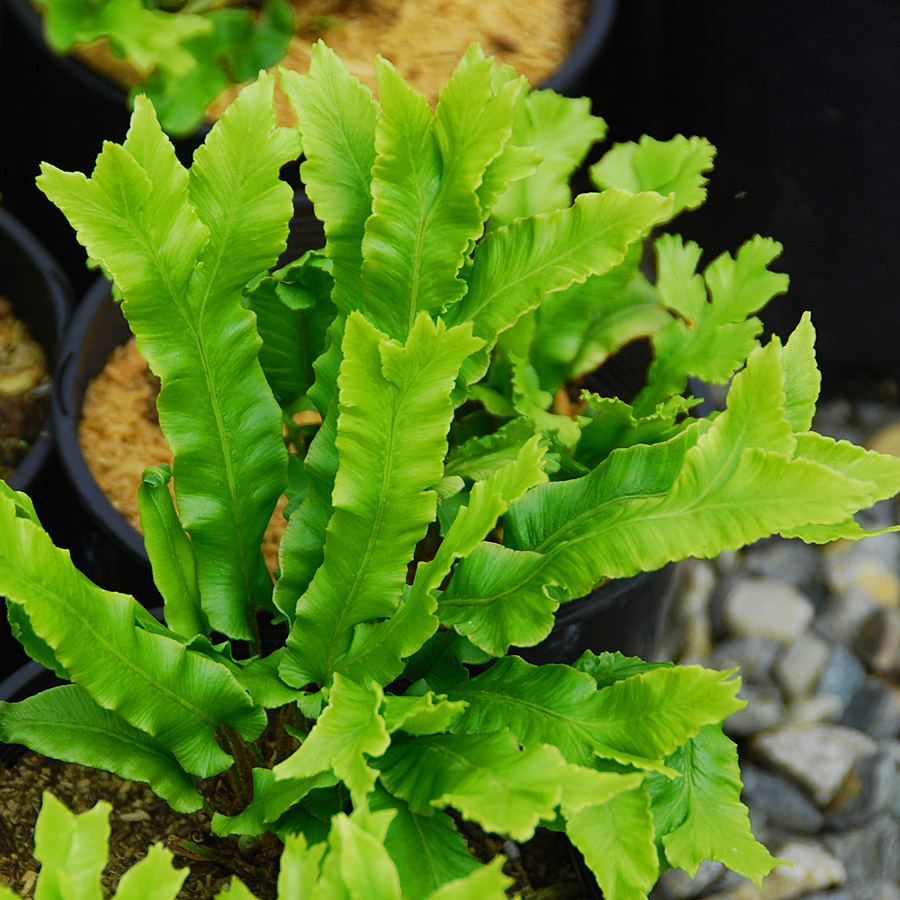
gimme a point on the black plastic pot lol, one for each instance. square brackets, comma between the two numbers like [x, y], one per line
[39, 292]
[31, 279]
[626, 614]
[572, 76]
[97, 328]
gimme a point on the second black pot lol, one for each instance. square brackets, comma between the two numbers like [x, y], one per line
[39, 292]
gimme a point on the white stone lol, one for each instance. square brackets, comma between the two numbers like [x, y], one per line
[676, 884]
[767, 608]
[818, 757]
[813, 869]
[799, 667]
[811, 710]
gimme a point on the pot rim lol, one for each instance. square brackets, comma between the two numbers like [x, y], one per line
[13, 232]
[591, 41]
[66, 416]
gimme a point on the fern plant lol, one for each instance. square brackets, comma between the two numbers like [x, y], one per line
[185, 53]
[429, 335]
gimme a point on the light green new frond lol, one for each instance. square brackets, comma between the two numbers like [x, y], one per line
[150, 680]
[167, 238]
[350, 729]
[737, 483]
[802, 378]
[425, 714]
[513, 611]
[741, 286]
[881, 472]
[677, 166]
[152, 878]
[480, 456]
[147, 37]
[272, 797]
[367, 870]
[171, 554]
[713, 337]
[235, 890]
[215, 377]
[487, 777]
[700, 815]
[562, 131]
[336, 120]
[300, 867]
[533, 403]
[616, 839]
[644, 470]
[72, 850]
[578, 329]
[378, 649]
[607, 668]
[565, 707]
[517, 265]
[407, 390]
[615, 425]
[122, 201]
[485, 883]
[426, 211]
[489, 499]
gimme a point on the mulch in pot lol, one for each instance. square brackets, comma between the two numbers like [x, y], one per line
[24, 389]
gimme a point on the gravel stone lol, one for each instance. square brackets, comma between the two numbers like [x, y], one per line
[878, 640]
[764, 710]
[875, 709]
[691, 622]
[869, 788]
[869, 890]
[785, 804]
[766, 608]
[832, 414]
[814, 869]
[862, 578]
[727, 562]
[843, 676]
[754, 655]
[810, 710]
[882, 889]
[801, 665]
[869, 852]
[817, 757]
[789, 561]
[676, 884]
[874, 416]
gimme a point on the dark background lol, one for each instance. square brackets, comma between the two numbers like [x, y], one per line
[802, 100]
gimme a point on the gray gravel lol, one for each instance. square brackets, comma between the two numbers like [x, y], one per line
[816, 632]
